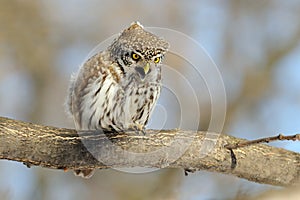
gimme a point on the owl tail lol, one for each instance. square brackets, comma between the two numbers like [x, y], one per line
[84, 173]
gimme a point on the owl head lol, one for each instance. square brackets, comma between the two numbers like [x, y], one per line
[138, 51]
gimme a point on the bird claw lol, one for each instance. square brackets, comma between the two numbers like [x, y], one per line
[138, 128]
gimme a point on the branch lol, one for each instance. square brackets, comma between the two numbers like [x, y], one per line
[263, 140]
[60, 148]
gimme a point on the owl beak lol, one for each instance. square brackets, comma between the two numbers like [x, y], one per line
[146, 68]
[142, 71]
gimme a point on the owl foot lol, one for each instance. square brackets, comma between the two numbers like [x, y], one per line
[138, 128]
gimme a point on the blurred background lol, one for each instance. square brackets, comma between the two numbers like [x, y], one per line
[255, 44]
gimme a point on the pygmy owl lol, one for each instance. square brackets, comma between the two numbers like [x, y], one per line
[117, 88]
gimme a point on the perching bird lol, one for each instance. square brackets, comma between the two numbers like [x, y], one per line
[117, 88]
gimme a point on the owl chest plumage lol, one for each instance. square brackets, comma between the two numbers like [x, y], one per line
[111, 100]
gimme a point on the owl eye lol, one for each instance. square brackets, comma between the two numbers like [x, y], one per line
[135, 56]
[157, 59]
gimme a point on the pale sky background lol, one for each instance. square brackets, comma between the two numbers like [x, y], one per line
[255, 45]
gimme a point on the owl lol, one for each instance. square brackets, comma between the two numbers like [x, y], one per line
[117, 89]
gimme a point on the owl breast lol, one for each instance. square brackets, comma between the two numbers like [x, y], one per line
[113, 101]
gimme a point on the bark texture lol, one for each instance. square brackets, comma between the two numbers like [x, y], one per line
[60, 148]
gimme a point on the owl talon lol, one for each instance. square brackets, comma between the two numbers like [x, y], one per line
[144, 132]
[138, 128]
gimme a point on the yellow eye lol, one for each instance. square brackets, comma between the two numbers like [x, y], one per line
[135, 56]
[157, 59]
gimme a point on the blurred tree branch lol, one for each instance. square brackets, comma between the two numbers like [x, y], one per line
[61, 148]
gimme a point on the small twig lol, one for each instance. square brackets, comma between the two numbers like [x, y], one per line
[263, 140]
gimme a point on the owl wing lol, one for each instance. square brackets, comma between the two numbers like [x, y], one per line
[79, 88]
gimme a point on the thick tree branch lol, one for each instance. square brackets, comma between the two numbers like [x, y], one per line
[60, 148]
